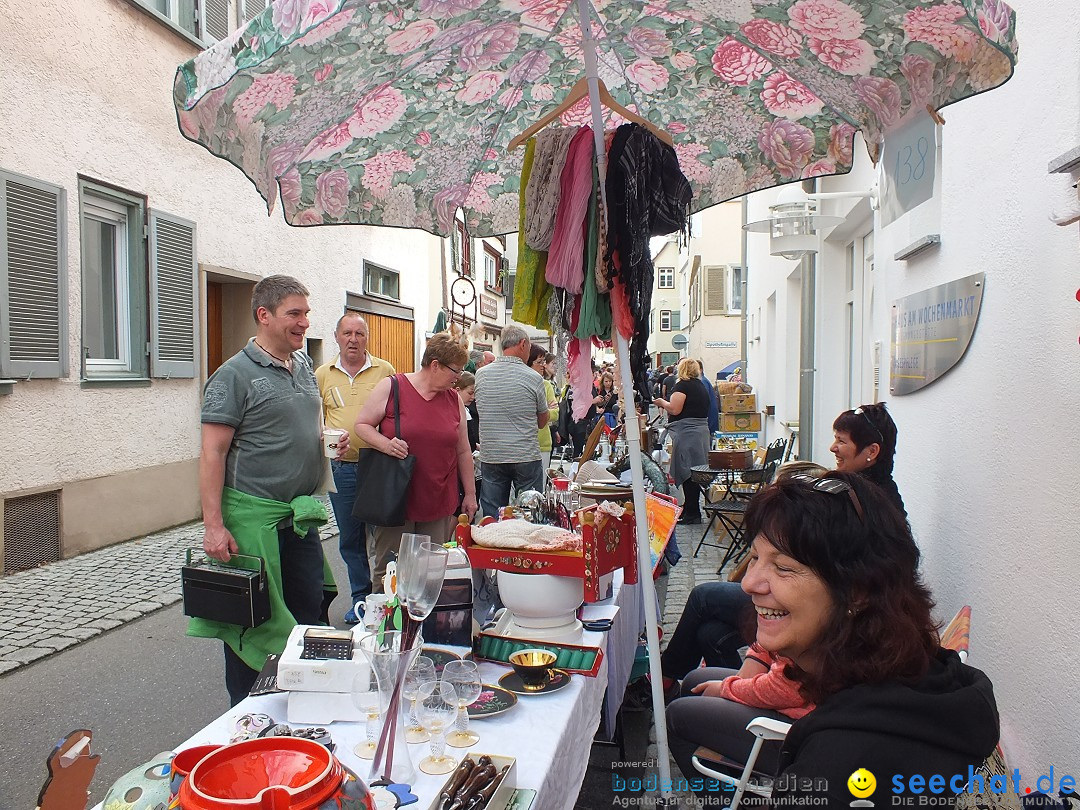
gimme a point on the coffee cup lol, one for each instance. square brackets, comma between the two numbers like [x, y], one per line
[533, 667]
[331, 438]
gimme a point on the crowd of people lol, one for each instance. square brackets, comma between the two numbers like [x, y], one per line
[829, 605]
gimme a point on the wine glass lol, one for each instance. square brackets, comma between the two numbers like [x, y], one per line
[465, 677]
[438, 703]
[422, 671]
[408, 550]
[423, 580]
[366, 698]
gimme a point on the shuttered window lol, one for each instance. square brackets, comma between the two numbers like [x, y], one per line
[173, 296]
[251, 8]
[33, 303]
[716, 290]
[214, 19]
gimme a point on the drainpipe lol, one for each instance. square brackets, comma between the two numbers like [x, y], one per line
[807, 350]
[744, 352]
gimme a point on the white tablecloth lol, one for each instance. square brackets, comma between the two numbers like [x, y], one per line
[550, 735]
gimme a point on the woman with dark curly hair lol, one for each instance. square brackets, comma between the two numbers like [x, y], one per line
[864, 442]
[834, 581]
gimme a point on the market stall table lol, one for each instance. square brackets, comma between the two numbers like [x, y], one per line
[549, 734]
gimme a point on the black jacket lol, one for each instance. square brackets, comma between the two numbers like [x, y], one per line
[942, 725]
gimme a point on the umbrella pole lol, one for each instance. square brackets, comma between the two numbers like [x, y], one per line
[633, 437]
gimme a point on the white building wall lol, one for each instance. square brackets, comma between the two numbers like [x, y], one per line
[986, 458]
[87, 91]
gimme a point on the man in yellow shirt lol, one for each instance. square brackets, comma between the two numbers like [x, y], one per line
[345, 385]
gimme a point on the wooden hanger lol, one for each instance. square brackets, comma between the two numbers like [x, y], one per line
[579, 91]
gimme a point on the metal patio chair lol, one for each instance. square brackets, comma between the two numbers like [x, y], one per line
[729, 512]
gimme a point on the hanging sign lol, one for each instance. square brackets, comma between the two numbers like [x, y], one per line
[909, 160]
[931, 331]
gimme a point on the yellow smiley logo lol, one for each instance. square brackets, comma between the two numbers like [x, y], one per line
[862, 783]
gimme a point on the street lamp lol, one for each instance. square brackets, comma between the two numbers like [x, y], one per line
[794, 223]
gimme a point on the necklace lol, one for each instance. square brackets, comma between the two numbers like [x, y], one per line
[286, 363]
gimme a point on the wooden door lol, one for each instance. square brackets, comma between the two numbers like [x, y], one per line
[392, 340]
[214, 350]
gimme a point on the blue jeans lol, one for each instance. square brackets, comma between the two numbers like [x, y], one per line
[352, 534]
[524, 475]
[715, 623]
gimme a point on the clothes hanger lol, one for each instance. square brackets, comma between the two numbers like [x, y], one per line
[579, 91]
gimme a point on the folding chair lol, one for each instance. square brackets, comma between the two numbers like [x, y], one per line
[729, 512]
[748, 780]
[751, 479]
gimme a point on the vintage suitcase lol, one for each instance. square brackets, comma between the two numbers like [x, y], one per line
[730, 459]
[225, 593]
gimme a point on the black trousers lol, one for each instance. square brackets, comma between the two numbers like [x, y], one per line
[302, 589]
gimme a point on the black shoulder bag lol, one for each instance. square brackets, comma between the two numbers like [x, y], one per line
[382, 481]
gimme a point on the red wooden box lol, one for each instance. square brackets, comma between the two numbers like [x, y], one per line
[607, 543]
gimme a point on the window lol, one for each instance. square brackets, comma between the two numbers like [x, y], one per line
[736, 289]
[207, 20]
[460, 253]
[665, 278]
[33, 296]
[665, 320]
[114, 283]
[381, 281]
[492, 269]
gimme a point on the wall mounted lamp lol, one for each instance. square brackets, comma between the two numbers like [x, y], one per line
[794, 222]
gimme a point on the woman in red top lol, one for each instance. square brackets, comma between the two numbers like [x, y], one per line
[433, 429]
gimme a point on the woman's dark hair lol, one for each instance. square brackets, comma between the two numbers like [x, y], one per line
[870, 424]
[879, 627]
[535, 353]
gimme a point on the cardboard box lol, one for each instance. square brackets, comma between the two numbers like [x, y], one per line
[503, 793]
[740, 422]
[738, 403]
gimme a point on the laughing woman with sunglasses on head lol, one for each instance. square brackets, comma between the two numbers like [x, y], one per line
[834, 581]
[864, 442]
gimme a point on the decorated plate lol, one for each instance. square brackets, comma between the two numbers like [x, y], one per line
[493, 700]
[440, 657]
[512, 681]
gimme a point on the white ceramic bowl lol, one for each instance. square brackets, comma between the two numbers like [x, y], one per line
[541, 598]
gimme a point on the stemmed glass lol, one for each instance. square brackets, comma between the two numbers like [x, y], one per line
[438, 703]
[422, 671]
[420, 577]
[366, 698]
[465, 677]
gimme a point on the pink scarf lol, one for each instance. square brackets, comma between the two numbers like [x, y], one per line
[564, 267]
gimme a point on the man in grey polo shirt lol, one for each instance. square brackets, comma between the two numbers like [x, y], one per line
[513, 407]
[261, 456]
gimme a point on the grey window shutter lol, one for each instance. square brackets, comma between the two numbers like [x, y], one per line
[253, 7]
[173, 297]
[676, 319]
[716, 283]
[214, 15]
[33, 299]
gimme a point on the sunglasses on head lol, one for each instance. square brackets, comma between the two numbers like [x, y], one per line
[870, 422]
[834, 486]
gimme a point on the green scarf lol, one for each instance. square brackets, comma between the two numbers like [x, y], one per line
[253, 523]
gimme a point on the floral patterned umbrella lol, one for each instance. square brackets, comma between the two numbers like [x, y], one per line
[388, 112]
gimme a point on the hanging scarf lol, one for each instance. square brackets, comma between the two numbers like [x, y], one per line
[647, 196]
[542, 192]
[564, 259]
[595, 315]
[531, 290]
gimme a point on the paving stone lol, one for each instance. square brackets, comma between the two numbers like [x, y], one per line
[8, 666]
[28, 654]
[104, 623]
[123, 615]
[80, 633]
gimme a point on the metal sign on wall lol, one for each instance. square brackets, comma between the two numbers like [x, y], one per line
[931, 330]
[489, 307]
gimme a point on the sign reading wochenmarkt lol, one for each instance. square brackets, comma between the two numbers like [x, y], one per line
[931, 331]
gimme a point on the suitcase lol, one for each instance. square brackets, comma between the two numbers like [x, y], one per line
[223, 592]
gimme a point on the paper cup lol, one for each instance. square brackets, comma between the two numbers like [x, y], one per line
[330, 439]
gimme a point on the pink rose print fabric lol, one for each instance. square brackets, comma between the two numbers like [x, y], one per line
[346, 111]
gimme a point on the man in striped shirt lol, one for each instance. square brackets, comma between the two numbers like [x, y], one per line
[513, 406]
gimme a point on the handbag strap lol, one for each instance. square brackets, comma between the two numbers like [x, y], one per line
[397, 406]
